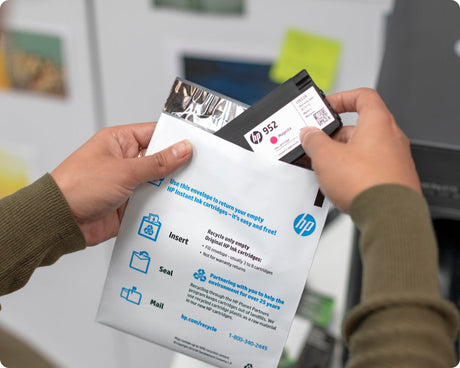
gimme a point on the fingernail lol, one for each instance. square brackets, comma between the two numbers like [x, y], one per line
[182, 149]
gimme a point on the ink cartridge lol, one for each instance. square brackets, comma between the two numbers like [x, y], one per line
[272, 125]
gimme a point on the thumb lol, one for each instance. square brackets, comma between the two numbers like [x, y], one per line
[161, 163]
[312, 138]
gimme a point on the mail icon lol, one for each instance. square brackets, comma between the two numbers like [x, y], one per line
[140, 261]
[131, 295]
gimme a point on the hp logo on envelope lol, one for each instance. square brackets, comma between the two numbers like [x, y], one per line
[304, 224]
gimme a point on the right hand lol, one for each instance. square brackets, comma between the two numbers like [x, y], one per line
[373, 152]
[98, 178]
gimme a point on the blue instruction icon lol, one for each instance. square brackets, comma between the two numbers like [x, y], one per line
[131, 295]
[200, 275]
[140, 261]
[150, 227]
[156, 182]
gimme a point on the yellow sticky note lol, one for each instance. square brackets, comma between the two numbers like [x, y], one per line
[14, 173]
[317, 54]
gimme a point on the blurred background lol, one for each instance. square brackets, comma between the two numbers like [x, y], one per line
[70, 68]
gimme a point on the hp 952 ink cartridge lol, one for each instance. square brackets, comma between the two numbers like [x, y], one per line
[272, 125]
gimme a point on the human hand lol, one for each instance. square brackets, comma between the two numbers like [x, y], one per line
[98, 178]
[373, 152]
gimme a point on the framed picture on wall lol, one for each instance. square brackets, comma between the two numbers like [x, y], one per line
[33, 62]
[243, 80]
[203, 6]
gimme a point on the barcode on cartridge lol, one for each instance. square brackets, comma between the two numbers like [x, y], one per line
[322, 117]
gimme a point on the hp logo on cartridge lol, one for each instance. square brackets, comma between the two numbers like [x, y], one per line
[256, 137]
[304, 224]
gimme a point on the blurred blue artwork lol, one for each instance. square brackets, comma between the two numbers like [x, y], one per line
[244, 81]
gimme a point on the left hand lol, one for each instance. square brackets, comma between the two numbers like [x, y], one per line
[98, 178]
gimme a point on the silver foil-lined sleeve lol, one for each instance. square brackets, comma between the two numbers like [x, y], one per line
[202, 107]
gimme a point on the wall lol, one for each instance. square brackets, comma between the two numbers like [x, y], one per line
[122, 60]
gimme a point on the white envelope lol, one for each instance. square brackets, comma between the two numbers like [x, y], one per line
[230, 261]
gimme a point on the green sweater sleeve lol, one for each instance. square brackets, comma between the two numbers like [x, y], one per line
[402, 320]
[36, 228]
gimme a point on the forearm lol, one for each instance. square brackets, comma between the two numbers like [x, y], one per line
[402, 317]
[36, 228]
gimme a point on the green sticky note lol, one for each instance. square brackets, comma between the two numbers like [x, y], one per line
[316, 307]
[317, 54]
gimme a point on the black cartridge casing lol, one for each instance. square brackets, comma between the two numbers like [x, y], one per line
[282, 95]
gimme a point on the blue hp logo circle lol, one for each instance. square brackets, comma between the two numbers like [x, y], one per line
[304, 224]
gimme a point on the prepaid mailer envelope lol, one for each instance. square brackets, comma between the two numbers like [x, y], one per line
[211, 261]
